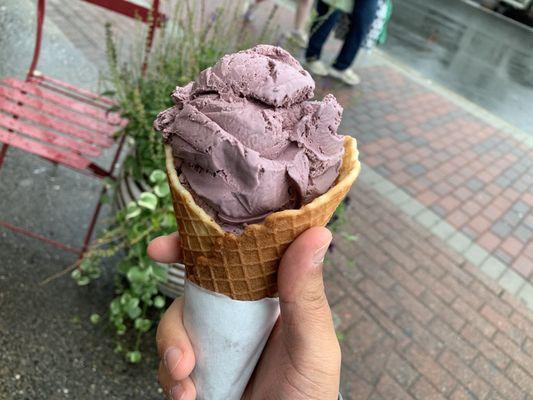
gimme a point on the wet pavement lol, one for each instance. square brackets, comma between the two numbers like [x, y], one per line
[58, 54]
[479, 54]
[430, 300]
[49, 349]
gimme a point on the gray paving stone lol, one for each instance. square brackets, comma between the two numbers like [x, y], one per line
[384, 187]
[369, 176]
[493, 267]
[412, 208]
[428, 218]
[520, 186]
[511, 174]
[527, 178]
[523, 233]
[502, 181]
[511, 281]
[441, 212]
[415, 169]
[503, 257]
[476, 254]
[383, 170]
[459, 242]
[520, 207]
[469, 233]
[474, 184]
[512, 217]
[501, 228]
[419, 141]
[443, 230]
[398, 197]
[402, 136]
[526, 295]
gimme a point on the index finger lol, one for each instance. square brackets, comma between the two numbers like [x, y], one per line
[173, 344]
[165, 249]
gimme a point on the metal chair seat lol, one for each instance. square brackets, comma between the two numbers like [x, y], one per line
[56, 121]
[64, 124]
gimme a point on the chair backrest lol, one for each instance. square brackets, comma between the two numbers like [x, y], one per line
[124, 7]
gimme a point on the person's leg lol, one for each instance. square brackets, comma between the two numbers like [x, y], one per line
[302, 14]
[249, 9]
[362, 17]
[320, 30]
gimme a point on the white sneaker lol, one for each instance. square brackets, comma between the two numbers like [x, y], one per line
[317, 67]
[298, 37]
[347, 76]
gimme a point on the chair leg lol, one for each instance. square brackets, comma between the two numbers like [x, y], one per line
[54, 170]
[92, 224]
[3, 152]
[94, 218]
[117, 155]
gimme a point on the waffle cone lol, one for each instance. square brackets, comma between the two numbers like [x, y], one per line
[244, 267]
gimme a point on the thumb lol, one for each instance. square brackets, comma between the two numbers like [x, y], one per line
[303, 303]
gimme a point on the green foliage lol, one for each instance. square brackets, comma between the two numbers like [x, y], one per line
[138, 303]
[133, 356]
[338, 219]
[95, 318]
[190, 42]
[349, 237]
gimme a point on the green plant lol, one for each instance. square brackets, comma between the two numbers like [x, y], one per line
[191, 42]
[138, 301]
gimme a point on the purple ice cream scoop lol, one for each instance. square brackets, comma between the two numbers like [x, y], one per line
[247, 139]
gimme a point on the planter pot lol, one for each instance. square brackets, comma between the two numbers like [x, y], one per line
[130, 190]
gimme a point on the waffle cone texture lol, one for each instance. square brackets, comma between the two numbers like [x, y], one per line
[244, 267]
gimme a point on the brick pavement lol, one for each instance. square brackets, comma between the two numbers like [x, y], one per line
[471, 174]
[427, 300]
[418, 320]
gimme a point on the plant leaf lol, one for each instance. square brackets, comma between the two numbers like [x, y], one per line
[134, 312]
[132, 210]
[83, 281]
[137, 275]
[148, 200]
[162, 189]
[95, 318]
[133, 356]
[349, 237]
[142, 324]
[114, 307]
[120, 329]
[159, 302]
[157, 176]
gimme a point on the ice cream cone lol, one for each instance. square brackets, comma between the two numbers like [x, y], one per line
[244, 267]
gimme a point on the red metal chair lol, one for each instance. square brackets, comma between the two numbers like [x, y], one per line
[64, 124]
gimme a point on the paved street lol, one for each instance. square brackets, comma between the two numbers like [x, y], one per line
[433, 300]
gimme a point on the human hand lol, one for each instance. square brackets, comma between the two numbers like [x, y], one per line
[301, 359]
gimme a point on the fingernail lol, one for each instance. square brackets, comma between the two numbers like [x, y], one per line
[172, 358]
[177, 393]
[318, 257]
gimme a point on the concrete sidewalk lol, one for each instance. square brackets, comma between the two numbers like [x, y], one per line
[431, 301]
